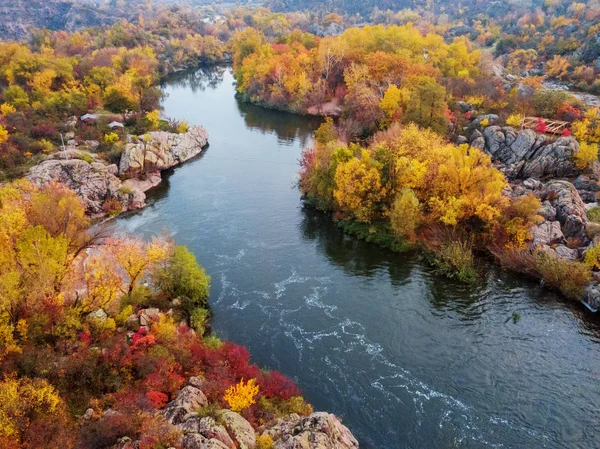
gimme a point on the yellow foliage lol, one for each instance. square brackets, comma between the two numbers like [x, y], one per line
[514, 120]
[406, 214]
[20, 399]
[111, 138]
[3, 134]
[264, 441]
[241, 395]
[6, 109]
[485, 122]
[592, 257]
[587, 154]
[183, 127]
[154, 118]
[358, 187]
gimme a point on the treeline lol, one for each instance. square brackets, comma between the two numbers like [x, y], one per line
[558, 38]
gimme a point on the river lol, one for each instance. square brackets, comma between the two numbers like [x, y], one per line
[406, 358]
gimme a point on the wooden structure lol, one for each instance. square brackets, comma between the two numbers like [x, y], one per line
[552, 126]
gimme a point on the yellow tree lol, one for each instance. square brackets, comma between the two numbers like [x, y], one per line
[136, 258]
[358, 188]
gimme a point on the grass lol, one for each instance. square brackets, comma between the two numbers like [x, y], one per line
[594, 214]
[569, 278]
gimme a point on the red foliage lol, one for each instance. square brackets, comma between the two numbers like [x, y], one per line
[566, 132]
[468, 115]
[274, 384]
[540, 126]
[281, 48]
[86, 338]
[43, 130]
[158, 399]
[568, 113]
[167, 378]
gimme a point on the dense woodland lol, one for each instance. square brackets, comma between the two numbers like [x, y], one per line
[403, 79]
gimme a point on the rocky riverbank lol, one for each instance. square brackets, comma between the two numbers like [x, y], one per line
[107, 188]
[545, 166]
[199, 424]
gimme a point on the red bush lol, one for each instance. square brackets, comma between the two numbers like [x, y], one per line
[540, 126]
[158, 399]
[274, 384]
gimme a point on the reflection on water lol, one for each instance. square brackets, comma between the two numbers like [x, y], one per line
[406, 358]
[286, 125]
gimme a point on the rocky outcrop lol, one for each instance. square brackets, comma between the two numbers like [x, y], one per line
[93, 180]
[161, 151]
[189, 399]
[318, 431]
[547, 233]
[570, 210]
[226, 429]
[97, 182]
[525, 154]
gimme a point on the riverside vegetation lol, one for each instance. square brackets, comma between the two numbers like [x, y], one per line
[104, 343]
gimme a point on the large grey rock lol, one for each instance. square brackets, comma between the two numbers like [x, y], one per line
[197, 441]
[547, 211]
[546, 233]
[238, 428]
[583, 182]
[89, 178]
[317, 431]
[570, 210]
[566, 253]
[526, 154]
[188, 400]
[161, 150]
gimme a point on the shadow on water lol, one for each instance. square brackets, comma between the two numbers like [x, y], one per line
[287, 126]
[355, 257]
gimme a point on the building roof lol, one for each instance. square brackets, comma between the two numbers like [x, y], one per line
[116, 125]
[89, 117]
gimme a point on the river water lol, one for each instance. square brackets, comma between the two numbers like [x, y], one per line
[407, 359]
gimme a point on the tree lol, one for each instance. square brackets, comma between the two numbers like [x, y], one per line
[426, 105]
[391, 104]
[24, 403]
[358, 188]
[184, 278]
[137, 258]
[406, 215]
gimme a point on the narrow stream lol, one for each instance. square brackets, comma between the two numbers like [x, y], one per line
[407, 359]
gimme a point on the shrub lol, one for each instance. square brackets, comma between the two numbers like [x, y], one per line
[112, 207]
[241, 395]
[111, 138]
[199, 320]
[514, 120]
[592, 257]
[278, 408]
[455, 260]
[264, 441]
[587, 154]
[274, 384]
[570, 278]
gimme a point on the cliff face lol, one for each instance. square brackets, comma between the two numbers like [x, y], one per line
[20, 16]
